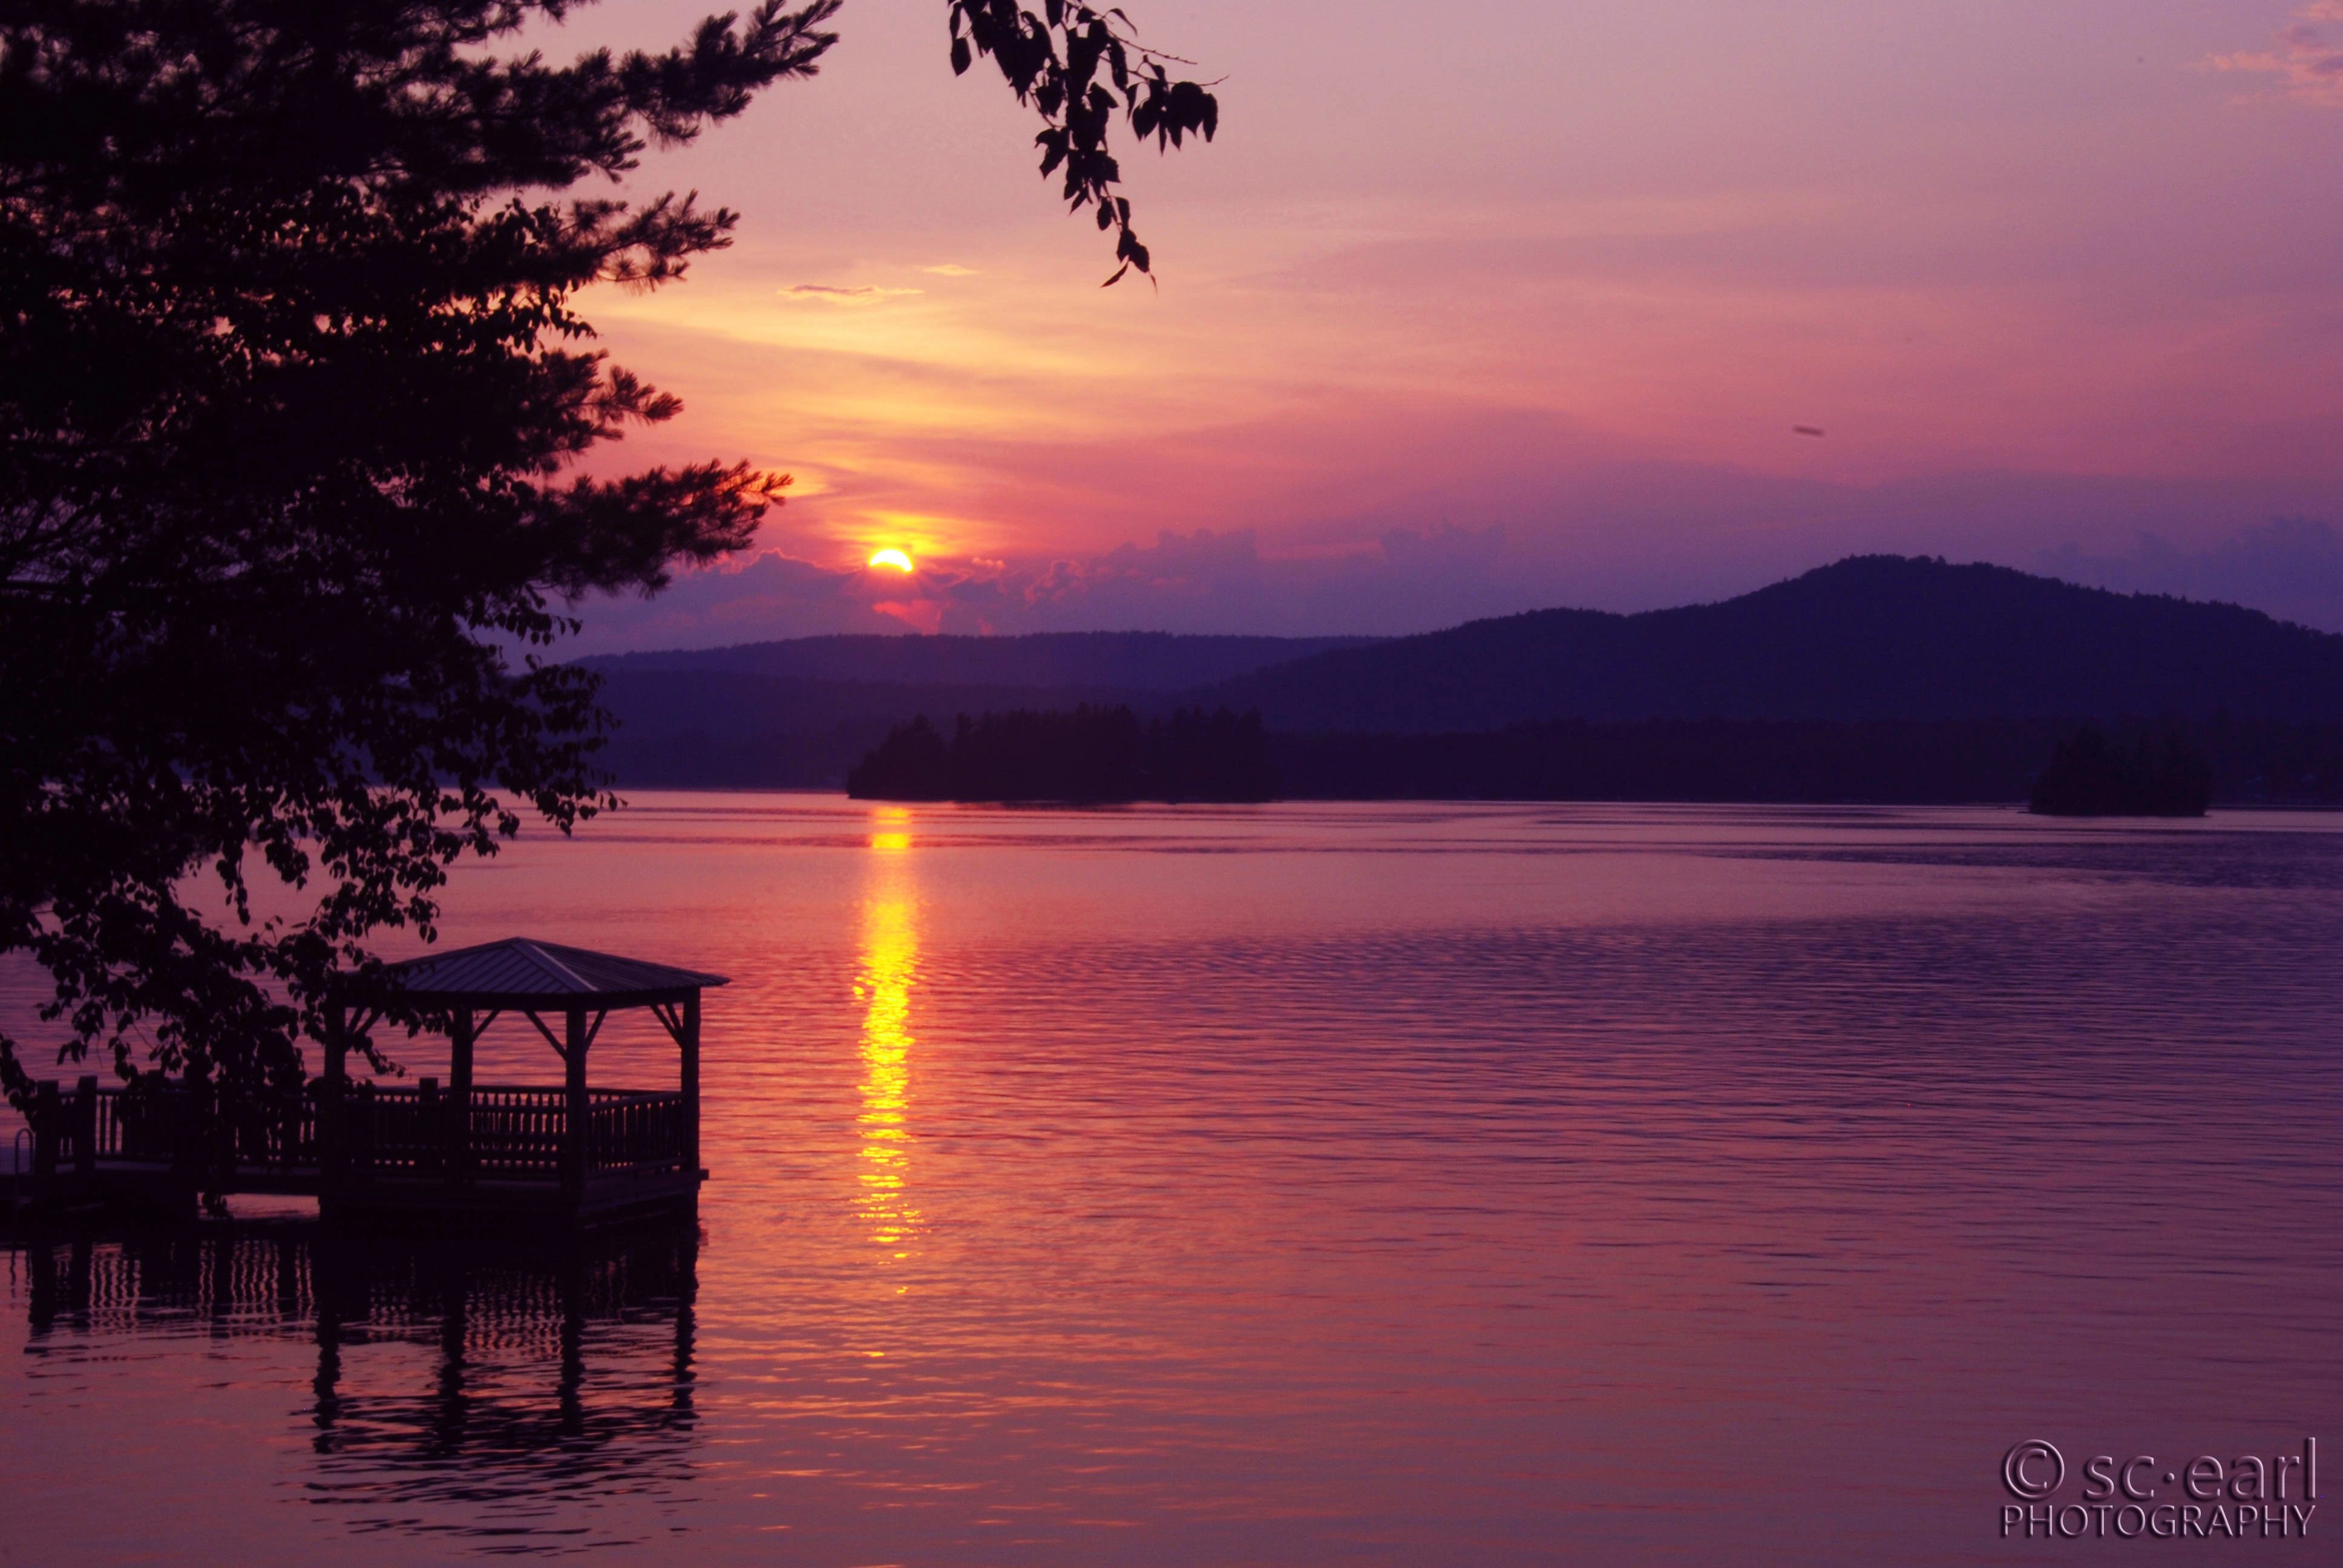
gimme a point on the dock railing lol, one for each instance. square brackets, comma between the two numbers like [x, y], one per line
[498, 1132]
[512, 1132]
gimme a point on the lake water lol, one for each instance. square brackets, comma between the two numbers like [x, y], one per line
[1306, 1185]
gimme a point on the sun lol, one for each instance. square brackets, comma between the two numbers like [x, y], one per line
[895, 558]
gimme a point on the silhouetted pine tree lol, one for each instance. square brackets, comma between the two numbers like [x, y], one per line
[1209, 757]
[913, 763]
[293, 384]
[1093, 755]
[2091, 776]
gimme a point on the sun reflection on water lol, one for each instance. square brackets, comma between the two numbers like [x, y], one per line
[890, 947]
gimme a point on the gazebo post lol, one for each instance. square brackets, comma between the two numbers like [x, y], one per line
[576, 1128]
[459, 1097]
[331, 1143]
[689, 1043]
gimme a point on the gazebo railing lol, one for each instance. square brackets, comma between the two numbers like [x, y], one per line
[509, 1132]
[514, 1131]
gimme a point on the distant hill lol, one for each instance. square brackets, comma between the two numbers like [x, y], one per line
[798, 714]
[689, 729]
[1871, 638]
[1127, 661]
[1883, 761]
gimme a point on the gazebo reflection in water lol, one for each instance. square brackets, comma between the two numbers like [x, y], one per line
[452, 1370]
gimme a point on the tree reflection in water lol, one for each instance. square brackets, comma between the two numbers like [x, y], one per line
[497, 1376]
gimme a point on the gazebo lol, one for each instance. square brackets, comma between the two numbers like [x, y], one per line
[572, 1153]
[585, 1152]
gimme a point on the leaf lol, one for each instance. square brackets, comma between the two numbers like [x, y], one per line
[960, 57]
[1076, 108]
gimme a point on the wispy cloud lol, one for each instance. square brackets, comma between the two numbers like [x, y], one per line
[2290, 567]
[831, 293]
[2309, 60]
[951, 269]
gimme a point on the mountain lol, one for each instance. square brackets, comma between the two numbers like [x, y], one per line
[1129, 660]
[798, 714]
[1870, 637]
[689, 729]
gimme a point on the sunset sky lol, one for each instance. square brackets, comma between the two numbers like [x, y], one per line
[1517, 314]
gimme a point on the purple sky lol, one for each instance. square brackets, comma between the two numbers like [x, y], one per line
[1520, 315]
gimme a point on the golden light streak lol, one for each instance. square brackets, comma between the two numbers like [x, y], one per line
[890, 951]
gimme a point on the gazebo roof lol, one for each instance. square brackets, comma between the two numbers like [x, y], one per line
[519, 972]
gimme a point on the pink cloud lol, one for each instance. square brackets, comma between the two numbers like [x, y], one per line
[925, 615]
[2309, 63]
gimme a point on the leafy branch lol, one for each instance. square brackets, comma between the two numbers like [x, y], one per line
[1054, 61]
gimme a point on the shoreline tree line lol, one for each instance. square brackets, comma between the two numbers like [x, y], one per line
[1109, 755]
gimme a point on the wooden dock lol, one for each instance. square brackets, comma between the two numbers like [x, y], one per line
[569, 1152]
